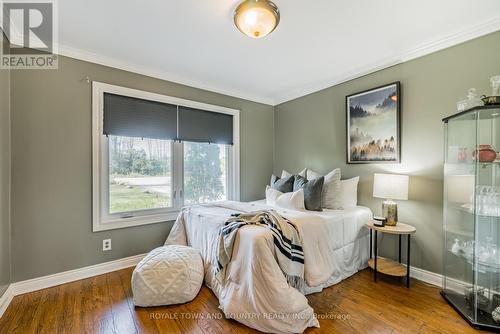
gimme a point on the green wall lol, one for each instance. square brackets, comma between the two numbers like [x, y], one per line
[50, 149]
[51, 166]
[311, 132]
[4, 178]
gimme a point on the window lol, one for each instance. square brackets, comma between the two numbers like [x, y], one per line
[140, 174]
[153, 154]
[205, 172]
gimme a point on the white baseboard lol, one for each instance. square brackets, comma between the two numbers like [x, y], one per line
[22, 287]
[5, 300]
[437, 280]
[426, 276]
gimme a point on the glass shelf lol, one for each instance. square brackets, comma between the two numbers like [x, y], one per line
[471, 249]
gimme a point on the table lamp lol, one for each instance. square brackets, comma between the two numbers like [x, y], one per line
[390, 187]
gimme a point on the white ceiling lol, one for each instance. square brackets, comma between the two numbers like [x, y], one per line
[317, 44]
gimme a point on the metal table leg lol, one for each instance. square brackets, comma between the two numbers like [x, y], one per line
[400, 248]
[408, 265]
[371, 249]
[375, 258]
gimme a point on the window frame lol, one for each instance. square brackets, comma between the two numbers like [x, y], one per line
[101, 219]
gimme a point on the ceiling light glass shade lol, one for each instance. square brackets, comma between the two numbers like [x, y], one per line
[257, 18]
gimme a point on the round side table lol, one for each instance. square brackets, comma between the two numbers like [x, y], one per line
[387, 266]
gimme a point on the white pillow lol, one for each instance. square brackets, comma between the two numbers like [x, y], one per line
[311, 175]
[286, 174]
[294, 200]
[331, 188]
[349, 193]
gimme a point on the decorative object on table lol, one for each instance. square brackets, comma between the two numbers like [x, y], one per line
[495, 85]
[379, 221]
[455, 248]
[462, 154]
[490, 100]
[496, 314]
[471, 101]
[390, 187]
[488, 201]
[486, 153]
[482, 300]
[494, 98]
[373, 125]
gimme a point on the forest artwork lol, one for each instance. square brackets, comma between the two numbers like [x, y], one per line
[373, 126]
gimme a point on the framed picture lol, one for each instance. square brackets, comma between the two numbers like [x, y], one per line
[373, 125]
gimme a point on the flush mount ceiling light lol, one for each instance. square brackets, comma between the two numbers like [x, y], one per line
[257, 18]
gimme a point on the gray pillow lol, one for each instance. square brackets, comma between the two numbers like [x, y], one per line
[313, 190]
[285, 185]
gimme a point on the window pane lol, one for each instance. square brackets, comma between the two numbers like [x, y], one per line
[140, 174]
[205, 172]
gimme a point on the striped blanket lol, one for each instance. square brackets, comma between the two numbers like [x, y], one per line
[287, 244]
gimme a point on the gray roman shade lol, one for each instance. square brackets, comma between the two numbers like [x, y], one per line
[205, 126]
[133, 117]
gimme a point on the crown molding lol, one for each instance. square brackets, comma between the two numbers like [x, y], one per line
[425, 49]
[150, 72]
[467, 34]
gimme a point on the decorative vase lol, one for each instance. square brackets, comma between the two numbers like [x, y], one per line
[486, 154]
[390, 212]
[455, 248]
[496, 314]
[462, 154]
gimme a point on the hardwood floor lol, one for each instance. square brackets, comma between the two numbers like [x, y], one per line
[103, 304]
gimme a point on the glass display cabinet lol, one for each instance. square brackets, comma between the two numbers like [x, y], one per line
[471, 256]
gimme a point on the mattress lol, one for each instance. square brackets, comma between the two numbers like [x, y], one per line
[255, 291]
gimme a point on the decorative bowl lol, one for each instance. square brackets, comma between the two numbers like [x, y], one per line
[490, 100]
[486, 153]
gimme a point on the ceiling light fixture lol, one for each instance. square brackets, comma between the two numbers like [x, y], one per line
[257, 18]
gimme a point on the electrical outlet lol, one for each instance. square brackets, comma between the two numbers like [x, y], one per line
[106, 245]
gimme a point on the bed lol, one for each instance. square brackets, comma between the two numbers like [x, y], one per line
[255, 291]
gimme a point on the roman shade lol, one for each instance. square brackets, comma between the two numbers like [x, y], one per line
[205, 126]
[134, 117]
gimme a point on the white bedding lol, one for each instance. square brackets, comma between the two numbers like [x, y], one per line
[255, 291]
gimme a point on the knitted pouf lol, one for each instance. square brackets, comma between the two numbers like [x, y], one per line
[168, 275]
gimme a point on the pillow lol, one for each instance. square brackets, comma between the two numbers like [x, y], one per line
[331, 188]
[285, 185]
[349, 193]
[287, 174]
[291, 200]
[313, 191]
[311, 175]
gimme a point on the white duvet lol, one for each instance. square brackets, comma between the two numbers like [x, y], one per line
[255, 291]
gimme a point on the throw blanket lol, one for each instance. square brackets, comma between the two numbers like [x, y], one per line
[287, 244]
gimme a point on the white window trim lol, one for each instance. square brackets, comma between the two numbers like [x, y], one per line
[99, 141]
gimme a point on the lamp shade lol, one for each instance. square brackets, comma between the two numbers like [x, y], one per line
[391, 186]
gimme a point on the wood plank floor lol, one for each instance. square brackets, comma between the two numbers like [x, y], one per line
[103, 304]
